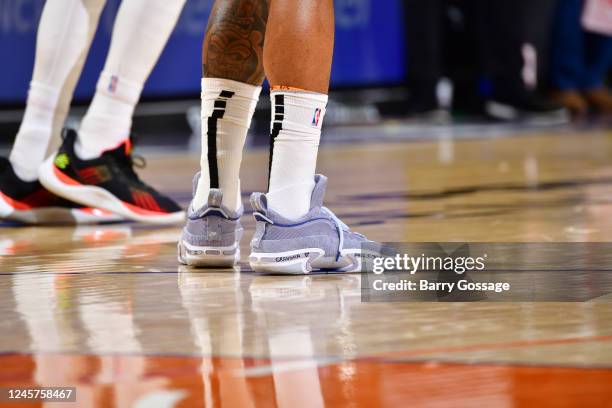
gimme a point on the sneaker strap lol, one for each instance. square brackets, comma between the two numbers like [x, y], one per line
[259, 203]
[340, 227]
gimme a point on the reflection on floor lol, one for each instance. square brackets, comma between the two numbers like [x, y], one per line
[108, 310]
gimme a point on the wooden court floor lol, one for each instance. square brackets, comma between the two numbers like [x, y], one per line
[106, 309]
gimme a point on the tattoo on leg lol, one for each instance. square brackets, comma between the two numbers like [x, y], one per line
[233, 47]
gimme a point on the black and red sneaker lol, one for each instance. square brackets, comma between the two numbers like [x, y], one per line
[108, 182]
[29, 202]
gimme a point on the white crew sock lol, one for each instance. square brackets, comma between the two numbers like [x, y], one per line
[94, 10]
[30, 145]
[141, 31]
[297, 117]
[227, 110]
[108, 120]
[64, 34]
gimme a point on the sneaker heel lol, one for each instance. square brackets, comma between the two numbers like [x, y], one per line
[208, 257]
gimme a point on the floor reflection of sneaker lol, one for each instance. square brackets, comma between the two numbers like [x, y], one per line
[211, 237]
[527, 107]
[318, 240]
[31, 203]
[108, 182]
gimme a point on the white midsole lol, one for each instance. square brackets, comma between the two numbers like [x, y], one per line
[97, 197]
[209, 256]
[54, 215]
[5, 208]
[303, 261]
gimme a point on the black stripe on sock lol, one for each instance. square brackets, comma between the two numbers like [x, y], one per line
[218, 113]
[279, 115]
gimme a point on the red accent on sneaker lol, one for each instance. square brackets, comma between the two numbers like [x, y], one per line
[64, 178]
[142, 211]
[37, 199]
[17, 205]
[90, 175]
[138, 210]
[128, 147]
[40, 198]
[146, 201]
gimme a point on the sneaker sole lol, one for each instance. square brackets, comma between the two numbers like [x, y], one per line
[304, 261]
[208, 257]
[54, 215]
[98, 197]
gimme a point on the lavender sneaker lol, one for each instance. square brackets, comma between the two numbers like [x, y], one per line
[211, 237]
[318, 240]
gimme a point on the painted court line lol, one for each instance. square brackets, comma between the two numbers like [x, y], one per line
[495, 346]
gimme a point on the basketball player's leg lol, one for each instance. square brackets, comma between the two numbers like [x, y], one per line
[232, 62]
[65, 32]
[95, 166]
[294, 32]
[64, 36]
[233, 71]
[295, 233]
[298, 31]
[140, 34]
[65, 99]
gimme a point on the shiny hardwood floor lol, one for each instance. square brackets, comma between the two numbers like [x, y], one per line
[108, 310]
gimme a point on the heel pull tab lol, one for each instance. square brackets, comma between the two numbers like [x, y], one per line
[215, 198]
[259, 202]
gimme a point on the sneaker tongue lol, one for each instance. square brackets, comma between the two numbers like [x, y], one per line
[318, 193]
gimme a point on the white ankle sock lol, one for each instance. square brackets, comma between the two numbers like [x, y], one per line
[141, 31]
[227, 110]
[297, 117]
[108, 120]
[31, 143]
[94, 10]
[59, 49]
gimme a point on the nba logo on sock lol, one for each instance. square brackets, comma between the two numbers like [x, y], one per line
[112, 86]
[316, 117]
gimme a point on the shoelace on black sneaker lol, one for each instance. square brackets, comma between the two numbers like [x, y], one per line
[130, 161]
[139, 161]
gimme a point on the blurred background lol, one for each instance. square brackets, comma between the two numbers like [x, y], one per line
[412, 68]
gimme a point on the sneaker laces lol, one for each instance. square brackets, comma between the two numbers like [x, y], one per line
[342, 229]
[129, 161]
[138, 161]
[340, 226]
